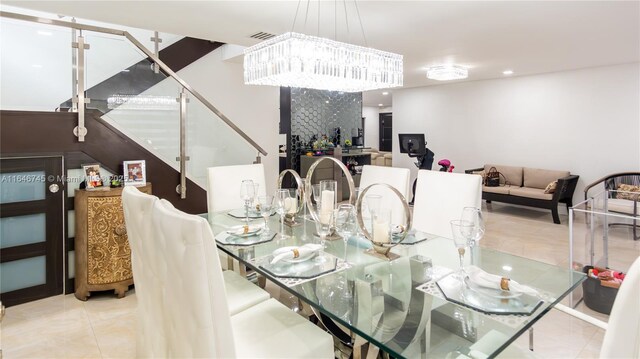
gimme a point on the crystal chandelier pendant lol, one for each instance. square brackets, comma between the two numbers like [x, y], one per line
[298, 60]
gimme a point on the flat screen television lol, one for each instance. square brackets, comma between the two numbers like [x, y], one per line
[412, 143]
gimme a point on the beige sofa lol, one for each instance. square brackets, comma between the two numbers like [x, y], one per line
[379, 158]
[527, 186]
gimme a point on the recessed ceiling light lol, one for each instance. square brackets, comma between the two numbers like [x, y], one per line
[45, 33]
[380, 104]
[447, 72]
[326, 101]
[385, 93]
[507, 72]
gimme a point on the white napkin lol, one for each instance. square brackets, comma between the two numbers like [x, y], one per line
[303, 251]
[487, 280]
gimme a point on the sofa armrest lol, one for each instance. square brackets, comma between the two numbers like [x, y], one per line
[565, 188]
[474, 170]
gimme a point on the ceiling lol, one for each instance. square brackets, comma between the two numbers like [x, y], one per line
[528, 37]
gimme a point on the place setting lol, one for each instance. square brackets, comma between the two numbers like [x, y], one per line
[471, 286]
[255, 207]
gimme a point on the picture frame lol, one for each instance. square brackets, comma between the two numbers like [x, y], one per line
[135, 173]
[92, 177]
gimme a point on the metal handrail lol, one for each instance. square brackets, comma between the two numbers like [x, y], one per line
[151, 55]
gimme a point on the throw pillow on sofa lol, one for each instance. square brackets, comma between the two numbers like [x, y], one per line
[624, 188]
[551, 187]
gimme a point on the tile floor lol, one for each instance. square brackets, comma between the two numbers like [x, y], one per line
[63, 327]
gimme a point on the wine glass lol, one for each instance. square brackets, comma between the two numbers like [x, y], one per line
[474, 215]
[345, 222]
[282, 205]
[246, 194]
[254, 200]
[462, 231]
[323, 227]
[266, 205]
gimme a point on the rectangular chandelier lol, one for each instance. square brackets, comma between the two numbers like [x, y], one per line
[298, 60]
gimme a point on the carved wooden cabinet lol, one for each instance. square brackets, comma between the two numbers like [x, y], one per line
[102, 253]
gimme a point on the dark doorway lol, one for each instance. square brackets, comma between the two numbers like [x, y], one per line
[386, 129]
[31, 215]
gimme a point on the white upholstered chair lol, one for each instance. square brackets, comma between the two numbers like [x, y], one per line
[397, 178]
[622, 338]
[138, 209]
[241, 294]
[440, 198]
[223, 185]
[197, 319]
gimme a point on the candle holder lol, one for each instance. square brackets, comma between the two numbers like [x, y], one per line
[383, 249]
[290, 218]
[352, 190]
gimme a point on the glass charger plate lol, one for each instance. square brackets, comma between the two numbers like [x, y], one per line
[314, 267]
[412, 238]
[228, 239]
[253, 214]
[455, 292]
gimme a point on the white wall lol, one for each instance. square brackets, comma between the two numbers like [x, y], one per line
[371, 126]
[586, 121]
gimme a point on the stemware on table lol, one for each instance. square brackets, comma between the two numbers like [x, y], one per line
[462, 231]
[346, 224]
[247, 193]
[474, 216]
[266, 206]
[282, 203]
[323, 227]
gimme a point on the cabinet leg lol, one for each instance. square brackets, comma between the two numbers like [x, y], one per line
[121, 290]
[82, 294]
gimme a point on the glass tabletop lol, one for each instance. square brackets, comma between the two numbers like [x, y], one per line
[395, 304]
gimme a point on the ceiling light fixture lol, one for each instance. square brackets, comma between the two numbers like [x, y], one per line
[298, 60]
[380, 105]
[507, 72]
[385, 93]
[447, 72]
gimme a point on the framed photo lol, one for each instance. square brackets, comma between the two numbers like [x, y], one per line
[92, 176]
[135, 173]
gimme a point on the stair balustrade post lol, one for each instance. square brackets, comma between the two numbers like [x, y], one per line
[80, 100]
[182, 187]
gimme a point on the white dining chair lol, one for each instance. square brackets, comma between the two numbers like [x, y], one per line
[395, 177]
[622, 337]
[440, 198]
[197, 318]
[138, 207]
[241, 293]
[223, 185]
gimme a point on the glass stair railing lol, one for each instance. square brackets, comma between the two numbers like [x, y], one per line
[168, 118]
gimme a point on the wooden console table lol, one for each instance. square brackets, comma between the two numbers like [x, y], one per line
[102, 253]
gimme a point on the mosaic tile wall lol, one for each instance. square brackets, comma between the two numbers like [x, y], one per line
[315, 113]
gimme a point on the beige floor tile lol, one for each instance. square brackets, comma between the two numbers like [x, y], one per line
[105, 305]
[116, 336]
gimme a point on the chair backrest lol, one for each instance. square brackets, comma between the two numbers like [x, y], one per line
[440, 198]
[223, 185]
[622, 338]
[196, 319]
[138, 208]
[397, 178]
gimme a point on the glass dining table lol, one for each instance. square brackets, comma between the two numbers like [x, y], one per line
[398, 305]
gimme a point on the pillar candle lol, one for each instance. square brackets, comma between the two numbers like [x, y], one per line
[291, 204]
[380, 231]
[327, 204]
